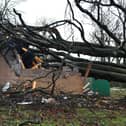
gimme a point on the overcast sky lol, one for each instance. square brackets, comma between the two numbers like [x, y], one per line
[33, 10]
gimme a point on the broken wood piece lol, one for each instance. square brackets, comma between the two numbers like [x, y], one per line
[87, 71]
[34, 85]
[21, 62]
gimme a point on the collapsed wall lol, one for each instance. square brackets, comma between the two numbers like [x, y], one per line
[69, 81]
[6, 73]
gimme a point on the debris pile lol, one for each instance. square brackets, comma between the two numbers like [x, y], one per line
[43, 98]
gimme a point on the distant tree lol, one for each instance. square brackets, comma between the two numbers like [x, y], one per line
[109, 19]
[6, 9]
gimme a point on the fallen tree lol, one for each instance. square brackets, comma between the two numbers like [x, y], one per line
[16, 34]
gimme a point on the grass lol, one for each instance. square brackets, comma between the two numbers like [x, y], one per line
[53, 116]
[117, 92]
[62, 117]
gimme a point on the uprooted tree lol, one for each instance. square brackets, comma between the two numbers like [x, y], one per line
[108, 40]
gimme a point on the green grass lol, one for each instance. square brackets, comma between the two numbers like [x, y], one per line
[117, 92]
[76, 117]
[53, 116]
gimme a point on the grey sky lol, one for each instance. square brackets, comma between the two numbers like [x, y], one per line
[33, 10]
